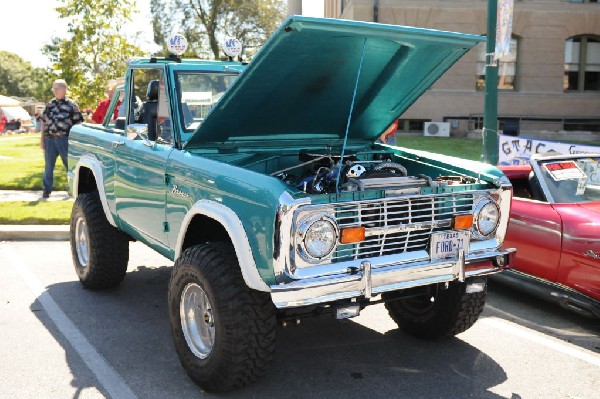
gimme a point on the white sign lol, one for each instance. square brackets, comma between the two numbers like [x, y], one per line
[503, 28]
[177, 44]
[232, 46]
[564, 170]
[517, 151]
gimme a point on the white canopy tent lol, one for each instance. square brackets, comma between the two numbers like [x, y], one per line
[15, 113]
[8, 102]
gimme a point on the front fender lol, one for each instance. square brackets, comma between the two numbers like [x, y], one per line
[233, 225]
[92, 163]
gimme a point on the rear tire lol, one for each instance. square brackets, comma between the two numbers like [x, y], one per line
[223, 331]
[451, 312]
[100, 251]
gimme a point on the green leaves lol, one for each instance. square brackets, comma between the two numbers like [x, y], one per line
[206, 22]
[95, 50]
[18, 78]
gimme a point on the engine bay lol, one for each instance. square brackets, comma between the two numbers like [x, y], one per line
[324, 172]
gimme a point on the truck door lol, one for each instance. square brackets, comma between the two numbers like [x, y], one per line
[141, 157]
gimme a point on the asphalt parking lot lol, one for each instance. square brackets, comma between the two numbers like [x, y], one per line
[62, 341]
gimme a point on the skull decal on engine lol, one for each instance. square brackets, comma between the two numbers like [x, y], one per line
[355, 171]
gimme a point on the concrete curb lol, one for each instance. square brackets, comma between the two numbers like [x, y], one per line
[34, 232]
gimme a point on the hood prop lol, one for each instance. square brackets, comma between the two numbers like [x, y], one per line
[362, 56]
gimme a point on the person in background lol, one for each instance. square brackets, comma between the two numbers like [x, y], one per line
[3, 122]
[100, 112]
[38, 122]
[388, 137]
[59, 116]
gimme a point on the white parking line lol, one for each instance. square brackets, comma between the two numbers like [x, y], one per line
[110, 380]
[542, 339]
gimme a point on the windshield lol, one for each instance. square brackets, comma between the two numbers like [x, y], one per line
[572, 180]
[198, 92]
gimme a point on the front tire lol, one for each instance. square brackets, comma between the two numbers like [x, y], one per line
[100, 251]
[442, 312]
[223, 331]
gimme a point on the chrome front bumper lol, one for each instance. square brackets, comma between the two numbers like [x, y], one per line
[370, 278]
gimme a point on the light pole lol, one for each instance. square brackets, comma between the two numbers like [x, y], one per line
[490, 108]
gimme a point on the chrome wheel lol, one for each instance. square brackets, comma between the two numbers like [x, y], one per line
[197, 320]
[82, 239]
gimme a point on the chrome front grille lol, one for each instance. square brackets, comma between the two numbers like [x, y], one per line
[397, 225]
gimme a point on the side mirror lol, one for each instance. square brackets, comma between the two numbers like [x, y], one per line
[139, 131]
[120, 123]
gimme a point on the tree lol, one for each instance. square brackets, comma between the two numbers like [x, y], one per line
[19, 79]
[206, 22]
[95, 51]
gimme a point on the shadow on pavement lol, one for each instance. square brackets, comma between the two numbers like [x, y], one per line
[548, 318]
[321, 358]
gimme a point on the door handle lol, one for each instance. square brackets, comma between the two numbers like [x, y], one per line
[592, 254]
[117, 143]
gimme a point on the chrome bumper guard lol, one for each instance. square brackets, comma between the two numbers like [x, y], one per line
[368, 278]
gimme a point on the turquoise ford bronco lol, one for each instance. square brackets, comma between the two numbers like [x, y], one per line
[266, 185]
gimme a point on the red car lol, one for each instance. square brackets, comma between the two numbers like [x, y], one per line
[555, 226]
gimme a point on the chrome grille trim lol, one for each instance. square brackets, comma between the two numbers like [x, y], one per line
[397, 225]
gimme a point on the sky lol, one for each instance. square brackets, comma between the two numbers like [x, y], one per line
[27, 25]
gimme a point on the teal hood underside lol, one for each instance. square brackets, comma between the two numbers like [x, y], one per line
[301, 83]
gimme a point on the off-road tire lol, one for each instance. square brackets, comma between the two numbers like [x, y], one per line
[452, 311]
[107, 248]
[244, 320]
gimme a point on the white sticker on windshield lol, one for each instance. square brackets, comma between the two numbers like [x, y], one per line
[564, 170]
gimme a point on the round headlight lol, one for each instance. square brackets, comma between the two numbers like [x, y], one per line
[320, 238]
[487, 218]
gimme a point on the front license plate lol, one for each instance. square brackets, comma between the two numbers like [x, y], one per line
[447, 244]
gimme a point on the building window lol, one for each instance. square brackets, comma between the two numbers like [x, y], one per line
[412, 125]
[582, 125]
[582, 63]
[507, 67]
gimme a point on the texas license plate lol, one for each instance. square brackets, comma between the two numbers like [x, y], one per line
[447, 244]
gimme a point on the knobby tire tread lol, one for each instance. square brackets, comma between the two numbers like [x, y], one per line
[109, 247]
[455, 312]
[248, 319]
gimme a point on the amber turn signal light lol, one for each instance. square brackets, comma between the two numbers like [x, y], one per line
[352, 234]
[462, 222]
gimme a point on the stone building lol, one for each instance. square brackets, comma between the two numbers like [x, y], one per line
[549, 86]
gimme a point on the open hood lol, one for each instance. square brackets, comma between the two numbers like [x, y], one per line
[302, 82]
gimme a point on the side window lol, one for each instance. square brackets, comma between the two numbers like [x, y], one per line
[149, 104]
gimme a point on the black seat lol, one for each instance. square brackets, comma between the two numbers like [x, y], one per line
[536, 189]
[150, 109]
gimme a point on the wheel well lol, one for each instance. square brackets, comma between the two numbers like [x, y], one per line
[87, 181]
[203, 229]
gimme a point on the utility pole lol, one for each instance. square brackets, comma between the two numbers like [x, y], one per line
[294, 7]
[490, 111]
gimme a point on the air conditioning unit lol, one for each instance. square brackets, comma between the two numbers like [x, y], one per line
[436, 129]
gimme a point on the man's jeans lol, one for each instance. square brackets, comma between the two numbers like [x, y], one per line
[54, 148]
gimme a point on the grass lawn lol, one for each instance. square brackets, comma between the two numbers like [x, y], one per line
[457, 147]
[22, 164]
[44, 212]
